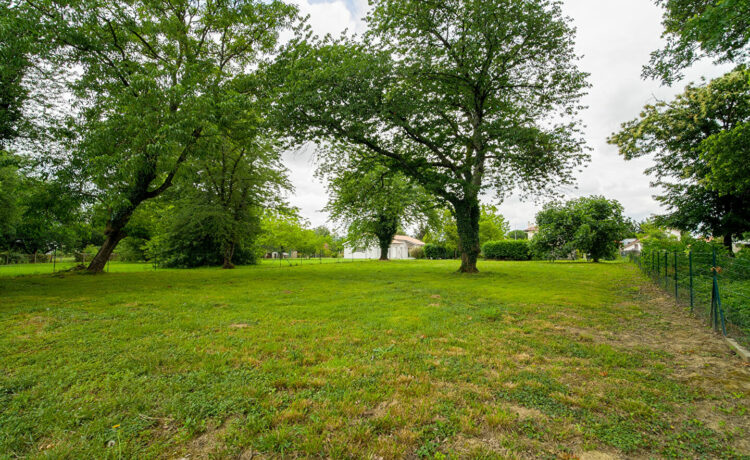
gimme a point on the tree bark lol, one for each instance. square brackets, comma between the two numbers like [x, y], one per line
[467, 224]
[112, 237]
[385, 230]
[228, 254]
[728, 243]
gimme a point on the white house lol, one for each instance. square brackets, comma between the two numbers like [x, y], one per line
[631, 245]
[531, 231]
[399, 249]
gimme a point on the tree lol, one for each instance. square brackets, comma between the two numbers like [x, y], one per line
[694, 29]
[462, 97]
[442, 229]
[492, 225]
[517, 235]
[226, 192]
[284, 230]
[157, 78]
[593, 225]
[698, 142]
[373, 202]
[9, 204]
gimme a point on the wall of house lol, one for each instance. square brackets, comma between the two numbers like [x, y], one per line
[395, 252]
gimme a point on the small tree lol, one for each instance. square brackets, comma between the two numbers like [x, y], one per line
[517, 235]
[492, 225]
[593, 225]
[373, 202]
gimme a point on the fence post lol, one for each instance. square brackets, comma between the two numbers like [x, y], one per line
[658, 268]
[716, 310]
[690, 262]
[666, 269]
[54, 260]
[713, 289]
[676, 292]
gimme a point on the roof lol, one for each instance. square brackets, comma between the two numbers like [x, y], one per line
[407, 239]
[627, 241]
[533, 228]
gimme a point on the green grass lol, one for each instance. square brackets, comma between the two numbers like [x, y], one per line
[350, 360]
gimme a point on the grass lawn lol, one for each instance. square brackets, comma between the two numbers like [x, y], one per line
[369, 359]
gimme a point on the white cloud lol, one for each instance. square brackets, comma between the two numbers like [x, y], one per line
[615, 38]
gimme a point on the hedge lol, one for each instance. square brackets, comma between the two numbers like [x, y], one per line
[507, 250]
[434, 251]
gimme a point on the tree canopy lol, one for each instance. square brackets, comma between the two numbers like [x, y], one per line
[699, 142]
[462, 97]
[694, 29]
[593, 225]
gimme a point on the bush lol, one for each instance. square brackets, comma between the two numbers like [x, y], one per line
[434, 251]
[133, 249]
[507, 250]
[87, 254]
[417, 252]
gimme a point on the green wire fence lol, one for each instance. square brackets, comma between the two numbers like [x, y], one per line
[715, 286]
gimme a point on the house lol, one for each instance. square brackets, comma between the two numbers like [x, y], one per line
[399, 249]
[531, 231]
[631, 245]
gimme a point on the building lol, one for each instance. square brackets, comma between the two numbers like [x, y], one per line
[631, 245]
[531, 231]
[399, 249]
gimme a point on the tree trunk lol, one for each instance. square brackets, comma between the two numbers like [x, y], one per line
[112, 237]
[467, 223]
[228, 254]
[384, 251]
[385, 230]
[728, 243]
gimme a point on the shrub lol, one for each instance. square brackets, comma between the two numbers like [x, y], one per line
[507, 250]
[87, 254]
[434, 251]
[417, 252]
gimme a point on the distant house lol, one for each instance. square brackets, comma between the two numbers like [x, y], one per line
[631, 246]
[399, 249]
[531, 231]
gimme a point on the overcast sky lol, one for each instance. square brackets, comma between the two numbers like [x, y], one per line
[615, 38]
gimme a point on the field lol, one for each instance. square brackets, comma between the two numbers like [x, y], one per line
[362, 360]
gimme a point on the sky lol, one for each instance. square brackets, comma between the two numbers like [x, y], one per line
[615, 38]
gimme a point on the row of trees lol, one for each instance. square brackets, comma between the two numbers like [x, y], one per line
[125, 103]
[132, 100]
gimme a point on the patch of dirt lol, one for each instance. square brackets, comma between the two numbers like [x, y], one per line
[597, 455]
[239, 325]
[526, 413]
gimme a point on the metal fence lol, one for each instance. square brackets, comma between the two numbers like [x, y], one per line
[715, 286]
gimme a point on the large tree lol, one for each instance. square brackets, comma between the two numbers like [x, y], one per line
[152, 79]
[694, 29]
[373, 202]
[699, 142]
[461, 96]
